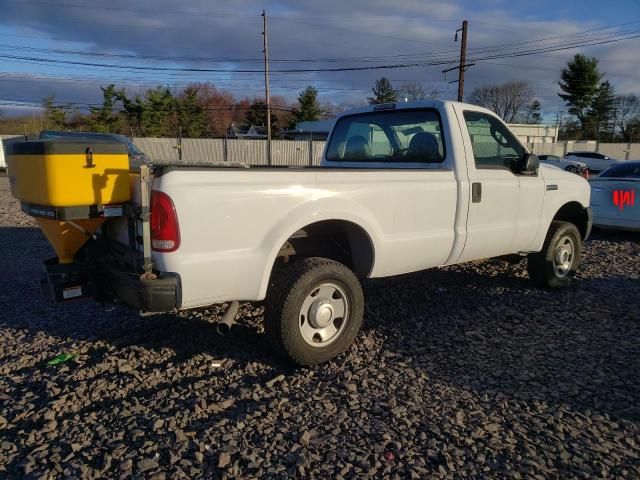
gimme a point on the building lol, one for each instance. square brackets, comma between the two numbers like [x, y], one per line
[318, 130]
[529, 134]
[246, 132]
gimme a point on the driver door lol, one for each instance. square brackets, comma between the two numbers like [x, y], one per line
[491, 150]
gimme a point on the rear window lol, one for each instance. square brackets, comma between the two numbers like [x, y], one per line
[623, 170]
[391, 136]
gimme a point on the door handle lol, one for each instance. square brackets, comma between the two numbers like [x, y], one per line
[476, 192]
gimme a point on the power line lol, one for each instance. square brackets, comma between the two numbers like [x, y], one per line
[130, 10]
[325, 69]
[583, 35]
[556, 49]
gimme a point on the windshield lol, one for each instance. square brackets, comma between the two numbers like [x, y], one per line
[389, 136]
[623, 170]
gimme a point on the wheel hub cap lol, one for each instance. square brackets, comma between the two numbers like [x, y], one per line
[563, 258]
[320, 313]
[324, 314]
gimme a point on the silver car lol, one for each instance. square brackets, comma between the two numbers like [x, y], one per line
[564, 164]
[596, 162]
[615, 197]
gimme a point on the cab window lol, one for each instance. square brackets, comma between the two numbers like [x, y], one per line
[494, 146]
[389, 136]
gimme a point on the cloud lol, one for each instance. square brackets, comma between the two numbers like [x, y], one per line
[384, 32]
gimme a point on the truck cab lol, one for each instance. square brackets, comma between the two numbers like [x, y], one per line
[500, 187]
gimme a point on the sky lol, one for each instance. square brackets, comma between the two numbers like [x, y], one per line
[69, 48]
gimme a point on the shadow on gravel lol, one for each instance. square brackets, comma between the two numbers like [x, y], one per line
[617, 236]
[490, 332]
[478, 327]
[24, 307]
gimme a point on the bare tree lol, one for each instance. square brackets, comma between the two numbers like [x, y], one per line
[332, 110]
[508, 100]
[414, 90]
[626, 114]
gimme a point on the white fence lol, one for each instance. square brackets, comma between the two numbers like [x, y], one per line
[619, 151]
[251, 152]
[303, 152]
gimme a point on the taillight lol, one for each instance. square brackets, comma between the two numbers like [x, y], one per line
[165, 233]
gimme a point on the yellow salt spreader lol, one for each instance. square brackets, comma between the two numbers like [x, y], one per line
[70, 187]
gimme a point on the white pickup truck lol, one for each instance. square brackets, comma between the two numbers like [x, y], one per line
[402, 187]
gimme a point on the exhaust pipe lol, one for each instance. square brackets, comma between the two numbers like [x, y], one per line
[228, 319]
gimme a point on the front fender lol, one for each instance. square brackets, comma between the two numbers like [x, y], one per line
[561, 189]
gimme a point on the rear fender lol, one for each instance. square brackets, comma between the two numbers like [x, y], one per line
[313, 212]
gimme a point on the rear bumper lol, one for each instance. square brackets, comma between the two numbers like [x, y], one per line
[74, 281]
[157, 295]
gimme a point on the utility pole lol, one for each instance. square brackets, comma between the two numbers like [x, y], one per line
[463, 58]
[266, 83]
[462, 66]
[558, 125]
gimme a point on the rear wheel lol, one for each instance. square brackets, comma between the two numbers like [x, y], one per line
[314, 310]
[556, 264]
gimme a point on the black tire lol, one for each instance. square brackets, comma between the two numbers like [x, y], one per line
[541, 267]
[288, 291]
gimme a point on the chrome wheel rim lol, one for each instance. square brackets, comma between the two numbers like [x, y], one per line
[563, 257]
[323, 315]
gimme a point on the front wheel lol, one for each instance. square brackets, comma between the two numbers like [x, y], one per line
[556, 264]
[313, 310]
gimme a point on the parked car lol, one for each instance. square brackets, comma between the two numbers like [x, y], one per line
[402, 187]
[615, 197]
[136, 156]
[572, 166]
[596, 162]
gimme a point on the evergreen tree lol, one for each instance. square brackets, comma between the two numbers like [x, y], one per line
[601, 113]
[383, 92]
[579, 84]
[191, 116]
[104, 118]
[158, 112]
[257, 115]
[534, 113]
[55, 116]
[308, 109]
[133, 111]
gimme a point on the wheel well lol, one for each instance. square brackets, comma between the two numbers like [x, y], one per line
[575, 213]
[339, 240]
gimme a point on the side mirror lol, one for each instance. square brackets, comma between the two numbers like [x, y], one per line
[529, 164]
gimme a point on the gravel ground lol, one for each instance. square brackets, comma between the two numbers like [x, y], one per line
[463, 372]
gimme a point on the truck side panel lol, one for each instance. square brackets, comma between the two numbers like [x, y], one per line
[233, 222]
